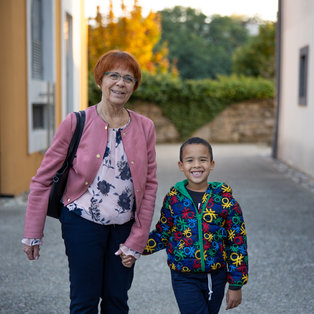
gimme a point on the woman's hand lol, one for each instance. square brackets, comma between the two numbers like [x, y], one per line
[233, 298]
[32, 252]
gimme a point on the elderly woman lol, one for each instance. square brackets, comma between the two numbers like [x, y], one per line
[110, 196]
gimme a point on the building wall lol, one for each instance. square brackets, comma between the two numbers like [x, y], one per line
[84, 59]
[295, 123]
[17, 164]
[72, 9]
[75, 9]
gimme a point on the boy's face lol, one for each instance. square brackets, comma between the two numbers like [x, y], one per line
[196, 166]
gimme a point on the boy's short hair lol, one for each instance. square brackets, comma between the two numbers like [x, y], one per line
[197, 140]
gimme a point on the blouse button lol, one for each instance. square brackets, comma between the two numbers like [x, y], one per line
[106, 127]
[123, 133]
[98, 156]
[86, 183]
[68, 199]
[137, 191]
[132, 162]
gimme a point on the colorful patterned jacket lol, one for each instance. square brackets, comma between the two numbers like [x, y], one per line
[204, 239]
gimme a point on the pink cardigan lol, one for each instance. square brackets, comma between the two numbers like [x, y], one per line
[139, 144]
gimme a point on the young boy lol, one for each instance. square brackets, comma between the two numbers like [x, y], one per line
[202, 229]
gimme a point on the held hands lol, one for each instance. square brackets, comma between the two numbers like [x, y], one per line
[233, 298]
[32, 252]
[127, 260]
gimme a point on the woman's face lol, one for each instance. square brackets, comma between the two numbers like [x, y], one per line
[117, 86]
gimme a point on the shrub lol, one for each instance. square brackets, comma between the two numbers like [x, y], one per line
[94, 93]
[192, 103]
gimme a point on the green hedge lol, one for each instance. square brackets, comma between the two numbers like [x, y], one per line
[191, 104]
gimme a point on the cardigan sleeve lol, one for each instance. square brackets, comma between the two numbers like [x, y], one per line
[139, 233]
[37, 204]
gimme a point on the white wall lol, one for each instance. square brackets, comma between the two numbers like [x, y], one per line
[73, 8]
[296, 123]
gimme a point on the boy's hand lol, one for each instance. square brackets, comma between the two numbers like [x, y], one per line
[127, 260]
[233, 298]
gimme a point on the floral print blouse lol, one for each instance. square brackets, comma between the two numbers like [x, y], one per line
[110, 197]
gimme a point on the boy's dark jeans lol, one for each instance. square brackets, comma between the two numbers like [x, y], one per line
[192, 293]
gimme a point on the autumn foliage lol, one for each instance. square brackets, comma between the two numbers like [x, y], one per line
[130, 32]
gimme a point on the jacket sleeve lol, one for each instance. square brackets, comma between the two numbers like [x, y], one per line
[236, 248]
[37, 204]
[158, 238]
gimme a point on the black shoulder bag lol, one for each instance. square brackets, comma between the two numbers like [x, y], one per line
[61, 177]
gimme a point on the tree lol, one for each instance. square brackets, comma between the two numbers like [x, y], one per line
[225, 35]
[201, 46]
[257, 58]
[131, 32]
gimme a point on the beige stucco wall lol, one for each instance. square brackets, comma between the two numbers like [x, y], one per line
[296, 127]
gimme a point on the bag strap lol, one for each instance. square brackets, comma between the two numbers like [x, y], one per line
[80, 121]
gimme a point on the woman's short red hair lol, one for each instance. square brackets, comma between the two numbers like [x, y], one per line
[117, 58]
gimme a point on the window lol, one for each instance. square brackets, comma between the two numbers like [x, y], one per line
[40, 72]
[303, 70]
[38, 116]
[37, 44]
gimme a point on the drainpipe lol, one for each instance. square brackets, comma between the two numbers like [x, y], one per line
[278, 79]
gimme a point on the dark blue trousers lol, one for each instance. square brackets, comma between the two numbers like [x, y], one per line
[192, 293]
[96, 273]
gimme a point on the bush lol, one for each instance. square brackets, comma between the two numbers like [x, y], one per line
[191, 104]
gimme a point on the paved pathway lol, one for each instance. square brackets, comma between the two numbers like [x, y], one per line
[279, 215]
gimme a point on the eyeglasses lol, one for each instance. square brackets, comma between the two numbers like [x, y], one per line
[115, 76]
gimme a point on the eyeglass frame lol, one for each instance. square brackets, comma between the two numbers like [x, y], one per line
[124, 77]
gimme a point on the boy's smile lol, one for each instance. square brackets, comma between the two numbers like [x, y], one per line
[196, 165]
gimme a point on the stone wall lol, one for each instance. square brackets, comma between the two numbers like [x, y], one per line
[165, 129]
[245, 122]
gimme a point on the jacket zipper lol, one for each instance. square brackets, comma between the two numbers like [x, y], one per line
[200, 236]
[199, 216]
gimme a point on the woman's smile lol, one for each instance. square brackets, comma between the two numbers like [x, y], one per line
[118, 92]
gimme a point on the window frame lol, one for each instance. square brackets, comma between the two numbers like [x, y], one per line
[303, 75]
[41, 83]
